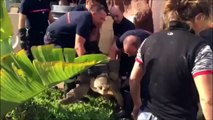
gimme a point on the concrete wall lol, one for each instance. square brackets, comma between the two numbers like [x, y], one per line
[157, 6]
[106, 35]
[14, 19]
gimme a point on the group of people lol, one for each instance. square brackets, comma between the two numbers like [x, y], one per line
[169, 72]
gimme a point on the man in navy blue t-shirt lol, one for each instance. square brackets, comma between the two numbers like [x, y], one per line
[73, 29]
[34, 16]
[129, 43]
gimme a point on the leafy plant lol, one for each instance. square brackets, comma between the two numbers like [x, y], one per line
[6, 30]
[22, 79]
[45, 107]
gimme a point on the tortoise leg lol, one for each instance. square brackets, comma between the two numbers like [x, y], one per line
[77, 93]
[118, 98]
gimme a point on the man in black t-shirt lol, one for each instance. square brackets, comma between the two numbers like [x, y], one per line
[34, 16]
[168, 66]
[129, 43]
[120, 26]
[73, 29]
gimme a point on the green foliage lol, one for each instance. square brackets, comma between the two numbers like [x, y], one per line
[6, 30]
[49, 53]
[45, 107]
[22, 80]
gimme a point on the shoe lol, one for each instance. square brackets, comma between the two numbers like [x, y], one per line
[121, 115]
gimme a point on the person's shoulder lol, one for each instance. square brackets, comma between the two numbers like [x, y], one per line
[180, 35]
[157, 35]
[81, 16]
[85, 15]
[80, 13]
[25, 2]
[80, 7]
[187, 35]
[208, 33]
[137, 32]
[128, 22]
[115, 25]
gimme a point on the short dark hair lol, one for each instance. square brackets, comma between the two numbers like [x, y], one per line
[97, 8]
[101, 2]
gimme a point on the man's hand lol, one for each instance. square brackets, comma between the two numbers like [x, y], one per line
[113, 52]
[135, 112]
[22, 34]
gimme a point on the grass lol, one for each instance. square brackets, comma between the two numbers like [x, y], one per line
[45, 106]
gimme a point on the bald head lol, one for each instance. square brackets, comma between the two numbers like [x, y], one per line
[131, 44]
[116, 13]
[132, 39]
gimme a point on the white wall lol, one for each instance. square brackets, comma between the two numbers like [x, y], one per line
[14, 19]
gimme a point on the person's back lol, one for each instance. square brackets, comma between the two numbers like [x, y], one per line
[175, 66]
[171, 91]
[34, 18]
[67, 26]
[37, 13]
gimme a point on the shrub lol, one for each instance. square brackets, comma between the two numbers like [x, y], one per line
[45, 106]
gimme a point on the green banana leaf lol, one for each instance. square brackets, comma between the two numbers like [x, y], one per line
[48, 53]
[6, 30]
[21, 79]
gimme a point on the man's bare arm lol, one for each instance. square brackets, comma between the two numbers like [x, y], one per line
[134, 82]
[50, 18]
[113, 49]
[204, 86]
[79, 45]
[21, 22]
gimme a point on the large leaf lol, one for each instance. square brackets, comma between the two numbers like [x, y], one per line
[6, 30]
[48, 53]
[22, 80]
